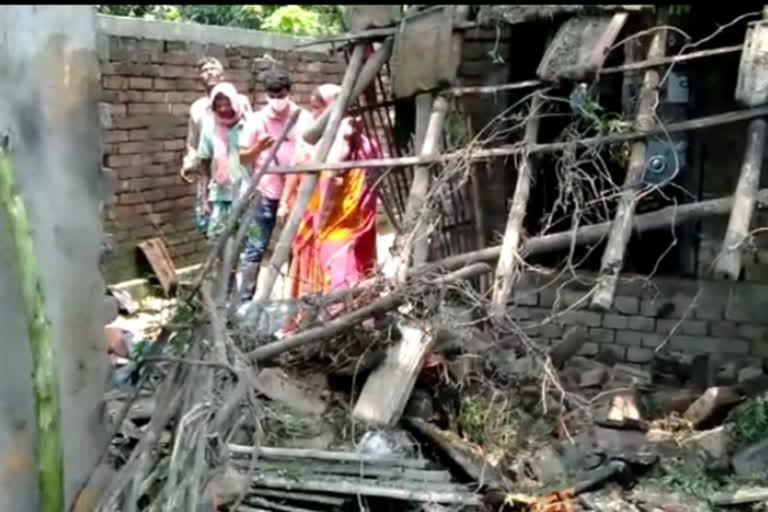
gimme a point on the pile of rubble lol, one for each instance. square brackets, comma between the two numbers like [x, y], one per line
[465, 421]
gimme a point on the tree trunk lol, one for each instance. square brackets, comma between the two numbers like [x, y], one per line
[52, 386]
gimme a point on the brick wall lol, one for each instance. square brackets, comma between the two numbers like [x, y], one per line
[696, 317]
[149, 80]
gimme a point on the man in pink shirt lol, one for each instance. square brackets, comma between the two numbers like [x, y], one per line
[268, 123]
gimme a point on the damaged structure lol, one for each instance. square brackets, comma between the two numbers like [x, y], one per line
[573, 302]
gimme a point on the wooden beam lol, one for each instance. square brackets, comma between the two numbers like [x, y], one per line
[613, 257]
[699, 123]
[507, 265]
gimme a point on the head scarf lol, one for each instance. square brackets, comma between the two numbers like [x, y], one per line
[221, 156]
[351, 143]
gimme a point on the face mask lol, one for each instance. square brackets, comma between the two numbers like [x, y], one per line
[278, 104]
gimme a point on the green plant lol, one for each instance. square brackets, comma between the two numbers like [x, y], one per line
[490, 422]
[605, 123]
[750, 421]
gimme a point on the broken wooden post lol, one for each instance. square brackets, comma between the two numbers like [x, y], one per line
[505, 270]
[388, 388]
[416, 242]
[621, 230]
[751, 91]
[282, 250]
[52, 429]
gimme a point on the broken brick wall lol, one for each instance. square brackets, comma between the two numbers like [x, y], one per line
[149, 80]
[726, 319]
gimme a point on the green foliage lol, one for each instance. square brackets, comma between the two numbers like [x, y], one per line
[750, 421]
[301, 20]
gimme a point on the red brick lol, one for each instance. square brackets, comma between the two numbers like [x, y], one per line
[140, 83]
[108, 149]
[180, 59]
[138, 135]
[177, 191]
[113, 82]
[130, 198]
[139, 147]
[174, 145]
[139, 108]
[155, 97]
[188, 84]
[180, 109]
[163, 84]
[128, 211]
[165, 156]
[161, 108]
[152, 171]
[115, 136]
[129, 122]
[109, 96]
[129, 96]
[171, 71]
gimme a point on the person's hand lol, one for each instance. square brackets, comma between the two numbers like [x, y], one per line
[264, 143]
[184, 175]
[206, 207]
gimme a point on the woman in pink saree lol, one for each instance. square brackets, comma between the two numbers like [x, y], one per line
[335, 245]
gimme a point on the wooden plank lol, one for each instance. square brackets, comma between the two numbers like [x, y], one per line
[161, 262]
[388, 388]
[268, 452]
[613, 256]
[381, 490]
[507, 265]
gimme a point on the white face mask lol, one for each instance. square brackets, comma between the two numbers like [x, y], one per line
[278, 104]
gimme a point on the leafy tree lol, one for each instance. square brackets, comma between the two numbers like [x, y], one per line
[302, 20]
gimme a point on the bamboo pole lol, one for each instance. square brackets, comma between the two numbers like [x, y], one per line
[507, 265]
[44, 374]
[306, 189]
[699, 123]
[729, 262]
[613, 257]
[416, 243]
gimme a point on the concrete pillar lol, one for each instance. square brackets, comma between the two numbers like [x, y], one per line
[49, 86]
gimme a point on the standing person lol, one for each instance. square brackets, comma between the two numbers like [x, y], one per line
[335, 246]
[222, 174]
[268, 123]
[211, 74]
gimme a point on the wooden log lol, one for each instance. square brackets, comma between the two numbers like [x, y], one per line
[699, 123]
[740, 496]
[388, 388]
[728, 263]
[357, 469]
[710, 403]
[368, 73]
[271, 505]
[471, 264]
[507, 265]
[416, 244]
[613, 257]
[388, 489]
[282, 250]
[268, 452]
[468, 456]
[306, 497]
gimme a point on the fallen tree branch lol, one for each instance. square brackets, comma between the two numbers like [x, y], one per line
[268, 452]
[699, 123]
[353, 318]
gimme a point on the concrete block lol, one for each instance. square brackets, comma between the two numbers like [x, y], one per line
[629, 338]
[627, 305]
[583, 318]
[701, 344]
[723, 329]
[641, 323]
[751, 332]
[599, 335]
[690, 327]
[611, 321]
[639, 355]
